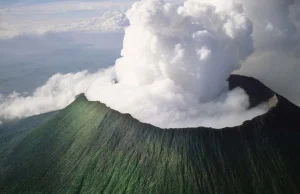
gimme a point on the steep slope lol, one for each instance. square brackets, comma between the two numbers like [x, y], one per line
[89, 148]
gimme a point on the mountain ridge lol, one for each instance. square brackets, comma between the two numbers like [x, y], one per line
[89, 148]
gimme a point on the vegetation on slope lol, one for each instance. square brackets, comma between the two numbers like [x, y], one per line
[89, 148]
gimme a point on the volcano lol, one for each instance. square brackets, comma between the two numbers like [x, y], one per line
[90, 148]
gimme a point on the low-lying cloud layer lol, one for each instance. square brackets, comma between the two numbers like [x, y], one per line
[110, 21]
[59, 91]
[161, 104]
[172, 73]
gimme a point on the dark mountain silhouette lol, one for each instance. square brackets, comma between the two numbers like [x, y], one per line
[90, 148]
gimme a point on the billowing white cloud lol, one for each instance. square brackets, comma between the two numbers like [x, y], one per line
[59, 91]
[196, 45]
[162, 104]
[172, 73]
[172, 53]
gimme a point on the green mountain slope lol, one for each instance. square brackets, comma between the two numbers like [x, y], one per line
[89, 148]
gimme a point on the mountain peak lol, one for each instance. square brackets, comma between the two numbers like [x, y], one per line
[90, 148]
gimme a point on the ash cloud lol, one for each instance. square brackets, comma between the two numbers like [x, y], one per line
[175, 62]
[174, 65]
[277, 45]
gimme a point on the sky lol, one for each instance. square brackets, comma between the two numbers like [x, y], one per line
[39, 38]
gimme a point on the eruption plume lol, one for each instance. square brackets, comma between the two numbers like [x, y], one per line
[174, 66]
[175, 62]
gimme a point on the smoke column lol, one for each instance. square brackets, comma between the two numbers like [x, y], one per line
[195, 46]
[175, 62]
[173, 70]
